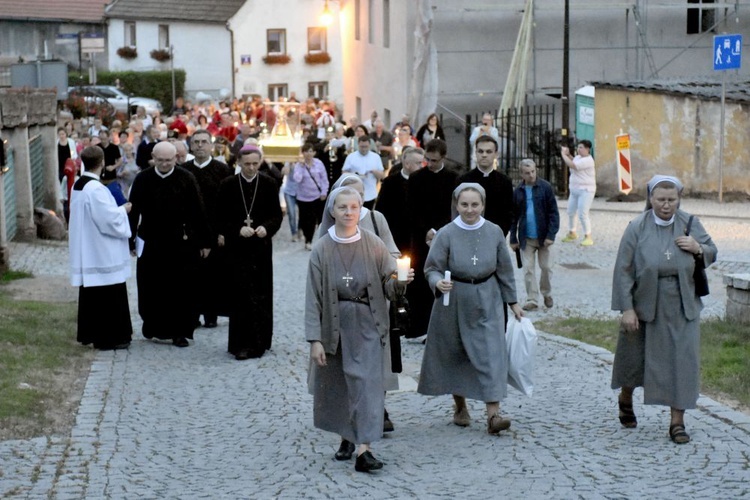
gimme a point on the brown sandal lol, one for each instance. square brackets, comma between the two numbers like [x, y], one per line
[627, 415]
[678, 435]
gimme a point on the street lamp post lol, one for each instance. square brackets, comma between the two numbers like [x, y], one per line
[565, 90]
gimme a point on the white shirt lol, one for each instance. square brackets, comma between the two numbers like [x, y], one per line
[363, 166]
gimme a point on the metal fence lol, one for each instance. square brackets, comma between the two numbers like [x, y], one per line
[36, 162]
[9, 182]
[527, 132]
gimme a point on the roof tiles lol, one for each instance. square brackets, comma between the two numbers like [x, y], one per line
[53, 10]
[204, 11]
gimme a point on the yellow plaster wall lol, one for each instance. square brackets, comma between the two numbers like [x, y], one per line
[672, 135]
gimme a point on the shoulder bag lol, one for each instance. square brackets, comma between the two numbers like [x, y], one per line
[699, 273]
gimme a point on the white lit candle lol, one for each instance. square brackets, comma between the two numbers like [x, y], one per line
[402, 265]
[447, 295]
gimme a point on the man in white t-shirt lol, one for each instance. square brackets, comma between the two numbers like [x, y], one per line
[367, 165]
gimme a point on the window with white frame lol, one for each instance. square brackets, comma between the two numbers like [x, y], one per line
[701, 16]
[316, 40]
[317, 89]
[129, 33]
[276, 42]
[277, 91]
[163, 36]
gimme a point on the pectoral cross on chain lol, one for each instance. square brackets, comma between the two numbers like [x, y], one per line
[475, 259]
[248, 221]
[668, 254]
[348, 277]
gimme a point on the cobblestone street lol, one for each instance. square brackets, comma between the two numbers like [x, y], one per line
[160, 422]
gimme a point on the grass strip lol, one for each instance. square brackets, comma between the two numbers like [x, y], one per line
[725, 351]
[42, 367]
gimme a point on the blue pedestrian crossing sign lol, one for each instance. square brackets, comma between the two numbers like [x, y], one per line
[727, 52]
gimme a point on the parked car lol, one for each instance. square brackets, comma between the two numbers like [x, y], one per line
[117, 98]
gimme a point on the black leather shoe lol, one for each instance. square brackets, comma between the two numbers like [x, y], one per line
[180, 342]
[366, 462]
[387, 424]
[124, 345]
[242, 355]
[346, 450]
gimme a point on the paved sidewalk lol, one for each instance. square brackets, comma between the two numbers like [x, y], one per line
[161, 422]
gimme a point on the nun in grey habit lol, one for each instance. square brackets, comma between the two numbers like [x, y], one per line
[658, 347]
[465, 353]
[350, 274]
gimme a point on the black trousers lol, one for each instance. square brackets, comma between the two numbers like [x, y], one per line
[310, 213]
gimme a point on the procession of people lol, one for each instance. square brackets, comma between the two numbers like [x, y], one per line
[201, 227]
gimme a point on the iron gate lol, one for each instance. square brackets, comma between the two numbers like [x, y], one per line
[527, 132]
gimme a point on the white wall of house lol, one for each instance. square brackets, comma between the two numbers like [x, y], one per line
[377, 72]
[250, 25]
[202, 50]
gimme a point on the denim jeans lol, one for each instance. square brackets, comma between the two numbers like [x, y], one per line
[291, 212]
[579, 202]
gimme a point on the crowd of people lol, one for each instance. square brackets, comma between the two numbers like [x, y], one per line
[195, 201]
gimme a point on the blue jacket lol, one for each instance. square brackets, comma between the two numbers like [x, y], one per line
[545, 210]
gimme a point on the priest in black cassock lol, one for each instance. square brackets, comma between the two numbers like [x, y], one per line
[211, 276]
[172, 236]
[392, 198]
[430, 191]
[497, 186]
[249, 215]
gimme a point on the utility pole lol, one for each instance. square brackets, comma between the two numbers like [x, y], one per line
[565, 90]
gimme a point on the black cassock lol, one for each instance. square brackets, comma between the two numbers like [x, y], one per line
[211, 286]
[250, 260]
[429, 202]
[499, 192]
[392, 204]
[174, 228]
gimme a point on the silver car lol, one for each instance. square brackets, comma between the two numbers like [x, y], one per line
[117, 98]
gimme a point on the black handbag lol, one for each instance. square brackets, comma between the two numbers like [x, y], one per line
[699, 272]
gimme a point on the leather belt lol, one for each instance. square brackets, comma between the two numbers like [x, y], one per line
[472, 281]
[358, 300]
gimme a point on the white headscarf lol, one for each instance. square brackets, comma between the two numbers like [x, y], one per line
[658, 179]
[460, 189]
[336, 185]
[328, 220]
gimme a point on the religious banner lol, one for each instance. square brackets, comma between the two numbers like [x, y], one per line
[624, 172]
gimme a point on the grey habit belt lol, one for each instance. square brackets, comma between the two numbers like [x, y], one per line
[472, 281]
[358, 300]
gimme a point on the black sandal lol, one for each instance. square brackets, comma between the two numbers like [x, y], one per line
[678, 435]
[627, 415]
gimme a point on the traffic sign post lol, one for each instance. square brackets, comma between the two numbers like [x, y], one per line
[727, 54]
[624, 167]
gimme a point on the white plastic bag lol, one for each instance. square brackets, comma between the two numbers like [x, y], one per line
[520, 339]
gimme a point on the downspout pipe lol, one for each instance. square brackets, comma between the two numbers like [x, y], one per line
[231, 43]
